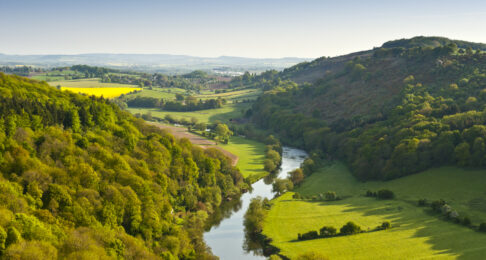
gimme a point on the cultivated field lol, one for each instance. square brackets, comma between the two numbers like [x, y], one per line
[94, 87]
[416, 234]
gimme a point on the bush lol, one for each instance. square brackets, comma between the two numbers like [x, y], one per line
[482, 227]
[370, 193]
[297, 196]
[331, 195]
[422, 202]
[386, 225]
[437, 204]
[328, 231]
[309, 235]
[385, 194]
[350, 228]
[466, 221]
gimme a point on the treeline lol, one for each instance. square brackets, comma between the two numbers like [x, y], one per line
[350, 228]
[436, 118]
[19, 70]
[190, 103]
[82, 178]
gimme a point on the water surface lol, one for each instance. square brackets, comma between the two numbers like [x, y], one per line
[226, 237]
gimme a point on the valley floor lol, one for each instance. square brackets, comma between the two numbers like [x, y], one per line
[417, 232]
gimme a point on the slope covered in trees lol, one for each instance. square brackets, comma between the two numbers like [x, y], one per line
[81, 178]
[388, 112]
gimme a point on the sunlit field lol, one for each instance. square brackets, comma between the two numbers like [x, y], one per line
[416, 232]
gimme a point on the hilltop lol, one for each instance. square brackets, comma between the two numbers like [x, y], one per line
[387, 112]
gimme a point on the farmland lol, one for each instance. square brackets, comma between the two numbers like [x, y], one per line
[94, 87]
[416, 232]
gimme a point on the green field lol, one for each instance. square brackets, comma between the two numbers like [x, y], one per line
[416, 233]
[223, 114]
[165, 93]
[250, 156]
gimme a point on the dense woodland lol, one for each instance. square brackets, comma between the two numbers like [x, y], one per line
[181, 104]
[388, 112]
[81, 178]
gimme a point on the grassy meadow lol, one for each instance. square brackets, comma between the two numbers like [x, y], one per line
[416, 234]
[223, 114]
[250, 156]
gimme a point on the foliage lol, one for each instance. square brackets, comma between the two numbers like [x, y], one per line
[350, 228]
[388, 112]
[80, 177]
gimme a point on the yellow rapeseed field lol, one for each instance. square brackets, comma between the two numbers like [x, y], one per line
[101, 91]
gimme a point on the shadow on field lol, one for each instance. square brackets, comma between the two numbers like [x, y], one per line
[447, 238]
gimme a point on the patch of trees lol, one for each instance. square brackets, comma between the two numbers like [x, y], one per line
[444, 209]
[190, 103]
[273, 154]
[80, 176]
[350, 228]
[19, 70]
[382, 194]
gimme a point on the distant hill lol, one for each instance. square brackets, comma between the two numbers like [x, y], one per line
[154, 62]
[391, 111]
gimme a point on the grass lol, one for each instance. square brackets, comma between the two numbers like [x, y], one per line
[165, 93]
[88, 83]
[223, 114]
[250, 156]
[416, 233]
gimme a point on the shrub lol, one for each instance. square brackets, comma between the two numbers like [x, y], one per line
[370, 194]
[328, 231]
[466, 221]
[297, 196]
[422, 202]
[437, 204]
[482, 227]
[350, 228]
[331, 195]
[309, 235]
[386, 225]
[385, 194]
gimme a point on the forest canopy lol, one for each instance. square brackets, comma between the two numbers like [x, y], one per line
[82, 178]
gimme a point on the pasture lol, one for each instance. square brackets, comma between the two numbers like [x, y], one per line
[223, 114]
[416, 232]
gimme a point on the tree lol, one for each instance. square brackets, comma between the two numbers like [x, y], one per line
[350, 228]
[328, 231]
[385, 194]
[281, 186]
[331, 195]
[179, 97]
[386, 225]
[223, 132]
[296, 176]
[462, 154]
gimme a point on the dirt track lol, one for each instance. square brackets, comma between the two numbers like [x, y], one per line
[181, 132]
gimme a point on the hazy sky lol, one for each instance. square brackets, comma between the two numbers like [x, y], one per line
[251, 28]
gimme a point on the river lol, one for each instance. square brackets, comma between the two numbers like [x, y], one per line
[226, 236]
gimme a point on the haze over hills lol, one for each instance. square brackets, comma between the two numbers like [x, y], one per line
[165, 63]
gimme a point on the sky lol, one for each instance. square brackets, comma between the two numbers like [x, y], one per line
[212, 28]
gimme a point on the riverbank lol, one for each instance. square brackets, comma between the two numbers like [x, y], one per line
[226, 237]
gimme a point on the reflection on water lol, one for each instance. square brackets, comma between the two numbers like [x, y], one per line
[226, 235]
